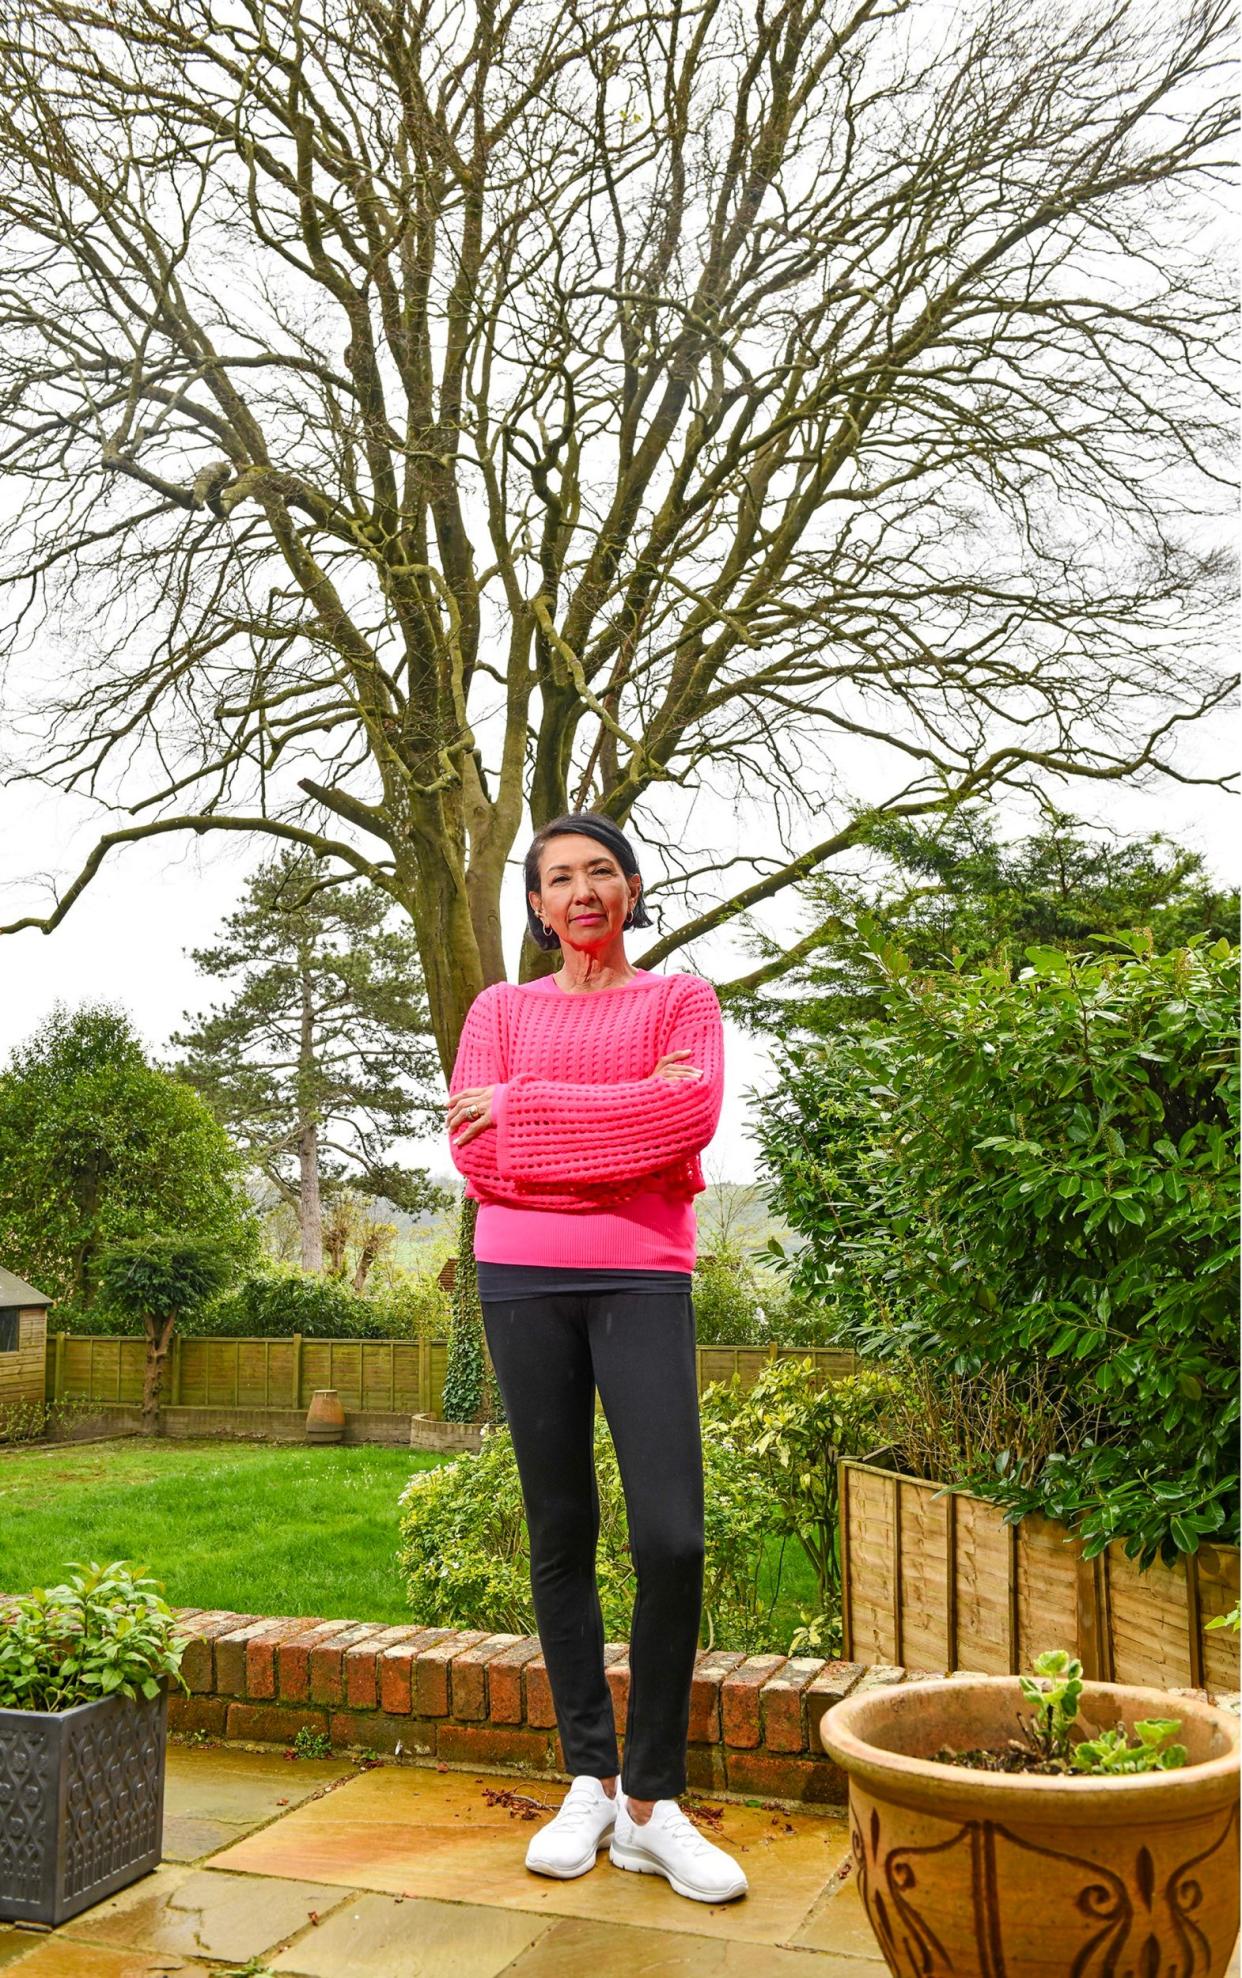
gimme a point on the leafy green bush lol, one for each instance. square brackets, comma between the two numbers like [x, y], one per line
[464, 1555]
[106, 1631]
[736, 1304]
[412, 1303]
[1040, 1175]
[769, 1461]
[30, 1421]
[97, 1146]
[728, 1299]
[281, 1300]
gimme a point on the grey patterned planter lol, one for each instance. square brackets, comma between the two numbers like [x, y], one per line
[81, 1804]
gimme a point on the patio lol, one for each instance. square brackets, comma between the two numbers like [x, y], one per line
[336, 1868]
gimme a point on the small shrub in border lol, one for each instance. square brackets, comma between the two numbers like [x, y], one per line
[105, 1631]
[770, 1457]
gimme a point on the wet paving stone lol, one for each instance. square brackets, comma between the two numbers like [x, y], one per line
[215, 1794]
[412, 1831]
[189, 1913]
[382, 1936]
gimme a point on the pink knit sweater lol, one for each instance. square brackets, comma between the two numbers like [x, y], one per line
[592, 1162]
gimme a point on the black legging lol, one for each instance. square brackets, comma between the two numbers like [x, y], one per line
[550, 1354]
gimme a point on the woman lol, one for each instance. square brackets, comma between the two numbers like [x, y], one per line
[579, 1104]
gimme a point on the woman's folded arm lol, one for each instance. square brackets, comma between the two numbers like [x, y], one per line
[479, 1061]
[549, 1128]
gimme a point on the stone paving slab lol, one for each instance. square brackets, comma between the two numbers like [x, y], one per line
[215, 1794]
[574, 1948]
[60, 1957]
[189, 1913]
[406, 1872]
[415, 1832]
[372, 1936]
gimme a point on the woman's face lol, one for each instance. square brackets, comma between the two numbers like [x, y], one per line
[584, 896]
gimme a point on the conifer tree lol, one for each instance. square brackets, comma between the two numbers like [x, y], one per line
[321, 1058]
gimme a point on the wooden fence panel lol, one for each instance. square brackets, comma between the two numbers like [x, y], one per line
[437, 1360]
[868, 1535]
[346, 1371]
[407, 1358]
[984, 1550]
[376, 1375]
[1048, 1591]
[101, 1369]
[944, 1583]
[1150, 1623]
[254, 1386]
[282, 1361]
[316, 1368]
[922, 1566]
[193, 1372]
[1217, 1568]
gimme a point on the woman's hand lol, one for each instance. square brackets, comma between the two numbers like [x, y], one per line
[668, 1067]
[470, 1109]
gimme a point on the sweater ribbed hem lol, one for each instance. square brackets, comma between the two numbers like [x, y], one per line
[650, 1232]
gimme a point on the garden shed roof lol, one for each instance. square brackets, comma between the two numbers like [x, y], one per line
[14, 1290]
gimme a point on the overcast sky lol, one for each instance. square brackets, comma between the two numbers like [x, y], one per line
[128, 937]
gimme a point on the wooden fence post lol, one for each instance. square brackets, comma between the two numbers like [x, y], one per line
[58, 1367]
[175, 1377]
[297, 1370]
[843, 1514]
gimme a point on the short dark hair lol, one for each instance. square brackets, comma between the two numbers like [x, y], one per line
[605, 833]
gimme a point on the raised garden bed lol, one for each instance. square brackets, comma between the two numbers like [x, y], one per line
[936, 1579]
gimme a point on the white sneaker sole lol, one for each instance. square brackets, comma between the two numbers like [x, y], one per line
[583, 1867]
[640, 1863]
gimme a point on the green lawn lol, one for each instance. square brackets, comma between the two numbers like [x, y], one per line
[256, 1528]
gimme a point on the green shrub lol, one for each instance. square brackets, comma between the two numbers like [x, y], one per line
[106, 1631]
[769, 1461]
[1039, 1175]
[728, 1300]
[736, 1304]
[281, 1300]
[412, 1303]
[31, 1421]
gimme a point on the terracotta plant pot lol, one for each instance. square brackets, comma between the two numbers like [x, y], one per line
[325, 1418]
[1010, 1875]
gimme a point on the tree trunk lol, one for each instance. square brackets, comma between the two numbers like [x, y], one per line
[310, 1208]
[366, 1257]
[310, 1211]
[159, 1335]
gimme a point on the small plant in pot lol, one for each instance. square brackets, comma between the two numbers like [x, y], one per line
[85, 1672]
[1042, 1826]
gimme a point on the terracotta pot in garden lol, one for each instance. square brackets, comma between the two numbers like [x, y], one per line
[325, 1418]
[1020, 1875]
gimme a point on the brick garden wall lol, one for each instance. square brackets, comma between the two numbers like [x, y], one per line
[467, 1699]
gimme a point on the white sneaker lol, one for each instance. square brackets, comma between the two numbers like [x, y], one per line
[669, 1844]
[567, 1845]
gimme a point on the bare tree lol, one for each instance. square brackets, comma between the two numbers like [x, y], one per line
[420, 415]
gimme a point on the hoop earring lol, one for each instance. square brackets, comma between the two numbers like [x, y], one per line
[545, 927]
[628, 921]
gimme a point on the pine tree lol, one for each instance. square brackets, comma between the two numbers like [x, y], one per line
[322, 1057]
